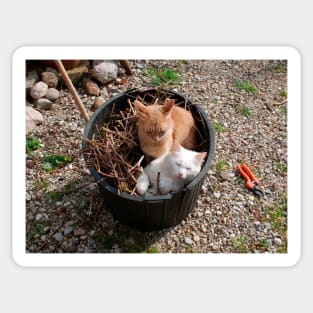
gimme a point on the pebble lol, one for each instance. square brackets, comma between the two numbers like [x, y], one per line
[277, 241]
[188, 241]
[39, 216]
[68, 230]
[217, 195]
[225, 175]
[257, 224]
[58, 236]
[79, 232]
[98, 102]
[91, 87]
[196, 238]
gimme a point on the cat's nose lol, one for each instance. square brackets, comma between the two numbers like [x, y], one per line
[180, 175]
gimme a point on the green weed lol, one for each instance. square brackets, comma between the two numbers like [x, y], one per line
[240, 244]
[41, 184]
[245, 111]
[55, 195]
[32, 144]
[279, 68]
[283, 93]
[36, 229]
[54, 161]
[277, 217]
[283, 109]
[221, 165]
[245, 85]
[182, 62]
[218, 127]
[153, 249]
[163, 75]
[280, 168]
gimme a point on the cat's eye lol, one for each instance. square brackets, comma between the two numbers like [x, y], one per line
[178, 164]
[161, 133]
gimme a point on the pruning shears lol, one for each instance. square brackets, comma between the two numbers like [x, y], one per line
[251, 182]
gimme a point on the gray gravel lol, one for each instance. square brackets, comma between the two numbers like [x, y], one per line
[64, 210]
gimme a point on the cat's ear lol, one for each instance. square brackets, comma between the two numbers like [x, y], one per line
[168, 106]
[175, 146]
[201, 156]
[140, 108]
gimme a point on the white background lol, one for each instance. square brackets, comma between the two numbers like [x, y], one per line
[154, 290]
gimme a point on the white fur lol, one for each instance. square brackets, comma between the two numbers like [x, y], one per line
[176, 168]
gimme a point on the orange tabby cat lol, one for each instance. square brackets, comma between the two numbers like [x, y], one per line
[160, 124]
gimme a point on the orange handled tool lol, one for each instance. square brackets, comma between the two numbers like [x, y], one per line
[251, 182]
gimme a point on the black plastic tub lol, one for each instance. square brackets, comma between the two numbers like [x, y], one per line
[151, 212]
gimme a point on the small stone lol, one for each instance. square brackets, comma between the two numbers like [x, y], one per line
[39, 217]
[43, 104]
[277, 241]
[257, 224]
[39, 90]
[79, 232]
[52, 94]
[50, 78]
[91, 87]
[196, 238]
[92, 232]
[28, 196]
[217, 195]
[104, 93]
[188, 241]
[73, 126]
[68, 230]
[98, 102]
[58, 236]
[225, 175]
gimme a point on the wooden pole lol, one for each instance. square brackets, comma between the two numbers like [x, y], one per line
[72, 89]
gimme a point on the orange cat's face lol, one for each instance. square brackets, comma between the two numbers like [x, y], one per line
[155, 121]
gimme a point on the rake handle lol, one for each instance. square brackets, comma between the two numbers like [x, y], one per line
[72, 89]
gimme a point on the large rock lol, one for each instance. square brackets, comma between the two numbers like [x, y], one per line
[50, 78]
[52, 94]
[104, 70]
[33, 118]
[31, 78]
[39, 90]
[43, 104]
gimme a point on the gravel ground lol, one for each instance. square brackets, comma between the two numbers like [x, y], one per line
[246, 103]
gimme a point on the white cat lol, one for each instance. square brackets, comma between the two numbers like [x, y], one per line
[177, 168]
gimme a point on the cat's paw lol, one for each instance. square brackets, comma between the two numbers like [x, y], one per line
[142, 184]
[141, 188]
